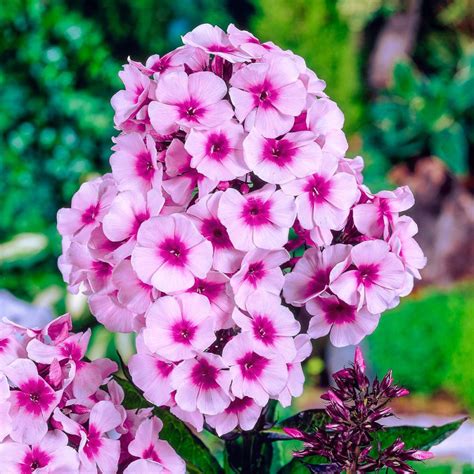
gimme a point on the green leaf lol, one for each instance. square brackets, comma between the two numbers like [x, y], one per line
[298, 465]
[451, 146]
[417, 437]
[197, 456]
[307, 421]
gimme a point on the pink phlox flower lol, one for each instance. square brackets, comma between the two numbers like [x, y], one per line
[204, 214]
[345, 324]
[88, 207]
[353, 166]
[96, 448]
[213, 40]
[260, 270]
[217, 152]
[280, 160]
[294, 386]
[128, 102]
[215, 288]
[375, 218]
[6, 425]
[325, 198]
[254, 375]
[49, 455]
[242, 412]
[32, 401]
[189, 102]
[270, 325]
[310, 276]
[371, 275]
[178, 327]
[248, 43]
[259, 219]
[171, 258]
[268, 95]
[156, 65]
[193, 418]
[202, 384]
[10, 348]
[154, 455]
[135, 164]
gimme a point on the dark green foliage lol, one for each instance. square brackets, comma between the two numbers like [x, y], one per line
[420, 116]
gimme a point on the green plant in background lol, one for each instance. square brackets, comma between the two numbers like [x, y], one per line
[317, 31]
[433, 333]
[420, 116]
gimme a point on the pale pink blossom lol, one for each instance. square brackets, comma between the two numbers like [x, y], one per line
[204, 214]
[154, 455]
[202, 384]
[254, 375]
[242, 412]
[375, 217]
[6, 425]
[10, 348]
[294, 386]
[49, 455]
[156, 64]
[189, 101]
[109, 311]
[260, 269]
[170, 253]
[248, 43]
[376, 279]
[126, 103]
[217, 153]
[32, 401]
[325, 198]
[280, 160]
[178, 327]
[135, 162]
[345, 324]
[310, 276]
[270, 325]
[268, 95]
[260, 219]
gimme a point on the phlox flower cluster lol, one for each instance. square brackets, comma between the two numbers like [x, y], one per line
[60, 413]
[230, 201]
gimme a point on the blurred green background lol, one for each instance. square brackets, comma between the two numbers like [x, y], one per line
[402, 72]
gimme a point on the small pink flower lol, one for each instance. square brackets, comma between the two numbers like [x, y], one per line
[268, 95]
[110, 312]
[88, 207]
[254, 375]
[156, 64]
[376, 280]
[375, 218]
[214, 288]
[189, 101]
[325, 198]
[346, 324]
[213, 40]
[50, 455]
[154, 455]
[260, 219]
[280, 160]
[135, 163]
[10, 348]
[260, 269]
[126, 103]
[217, 153]
[270, 325]
[310, 276]
[248, 43]
[204, 214]
[6, 425]
[178, 327]
[243, 412]
[96, 449]
[202, 384]
[31, 403]
[294, 386]
[170, 253]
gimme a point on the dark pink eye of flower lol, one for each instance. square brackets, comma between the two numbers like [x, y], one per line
[252, 365]
[256, 212]
[71, 351]
[214, 231]
[35, 459]
[239, 404]
[3, 344]
[144, 166]
[367, 274]
[102, 269]
[263, 329]
[173, 251]
[279, 152]
[93, 443]
[207, 288]
[90, 214]
[35, 396]
[183, 332]
[217, 146]
[190, 110]
[318, 283]
[255, 272]
[318, 188]
[338, 312]
[150, 453]
[204, 375]
[164, 368]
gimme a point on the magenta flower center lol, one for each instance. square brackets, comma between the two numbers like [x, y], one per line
[164, 368]
[173, 251]
[204, 375]
[256, 212]
[263, 329]
[207, 288]
[35, 396]
[239, 405]
[367, 274]
[215, 232]
[183, 331]
[71, 351]
[217, 146]
[34, 459]
[252, 365]
[255, 272]
[144, 166]
[90, 214]
[150, 453]
[93, 443]
[4, 344]
[279, 152]
[190, 110]
[338, 312]
[318, 188]
[318, 282]
[101, 269]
